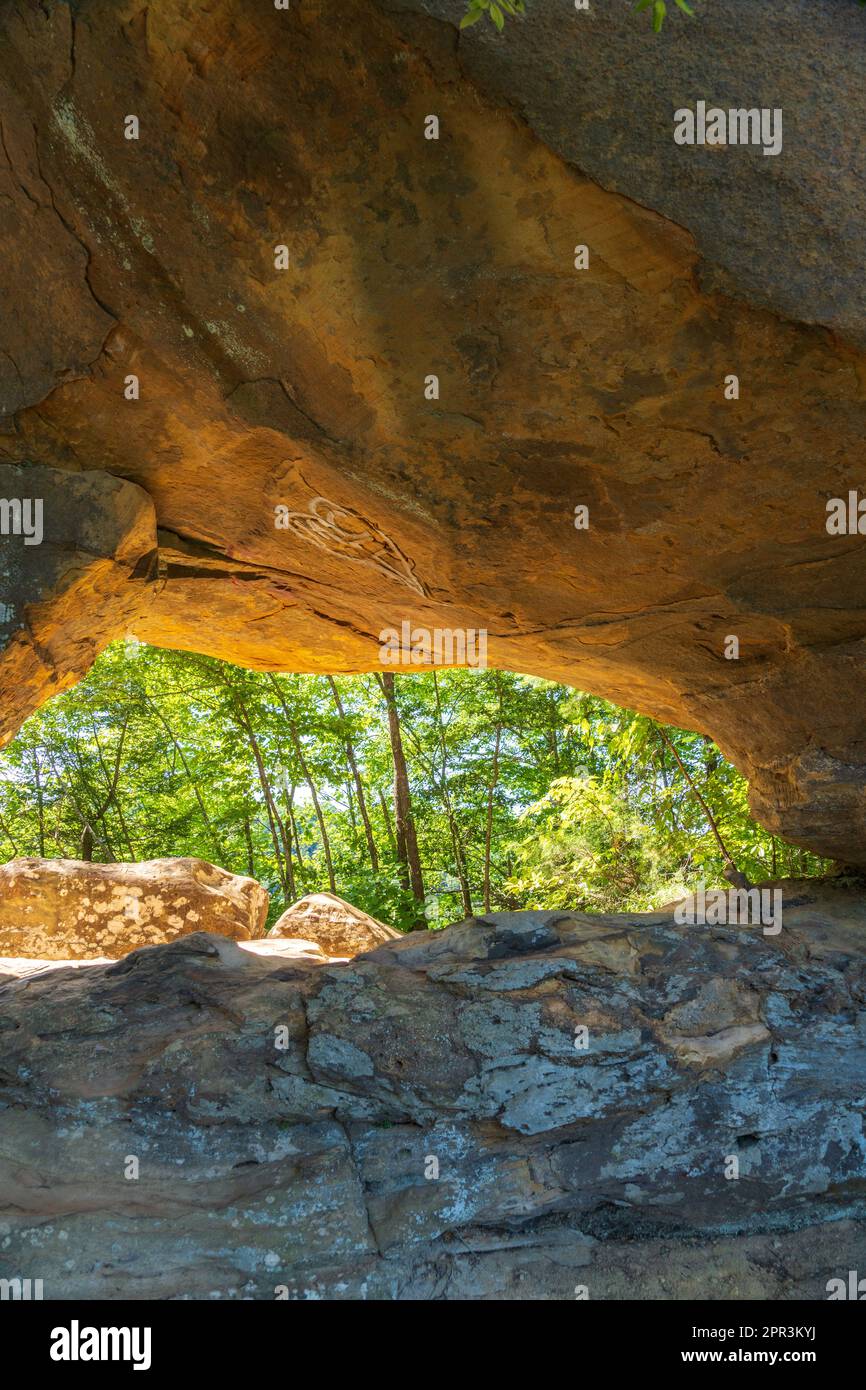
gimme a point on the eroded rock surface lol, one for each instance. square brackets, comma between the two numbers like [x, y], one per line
[420, 1123]
[300, 393]
[66, 909]
[289, 948]
[81, 586]
[596, 87]
[338, 927]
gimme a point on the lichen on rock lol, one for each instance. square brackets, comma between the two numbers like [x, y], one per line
[68, 909]
[426, 1121]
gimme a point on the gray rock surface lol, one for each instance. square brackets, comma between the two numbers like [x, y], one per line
[420, 1124]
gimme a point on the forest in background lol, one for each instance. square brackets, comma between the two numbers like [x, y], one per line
[421, 797]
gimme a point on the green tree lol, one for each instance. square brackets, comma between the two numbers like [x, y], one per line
[421, 796]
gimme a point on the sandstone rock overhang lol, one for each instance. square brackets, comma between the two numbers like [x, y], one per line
[299, 394]
[585, 1086]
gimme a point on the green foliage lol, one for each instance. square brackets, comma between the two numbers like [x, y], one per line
[582, 846]
[659, 11]
[584, 805]
[628, 833]
[496, 10]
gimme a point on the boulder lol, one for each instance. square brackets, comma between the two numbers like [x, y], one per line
[340, 929]
[291, 948]
[511, 1108]
[18, 967]
[66, 909]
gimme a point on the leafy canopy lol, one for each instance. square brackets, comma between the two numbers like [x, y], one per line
[524, 793]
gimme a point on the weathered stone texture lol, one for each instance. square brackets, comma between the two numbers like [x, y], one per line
[594, 85]
[65, 909]
[339, 928]
[304, 388]
[284, 1114]
[64, 600]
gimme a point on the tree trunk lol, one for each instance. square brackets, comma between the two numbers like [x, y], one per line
[97, 817]
[251, 863]
[5, 829]
[277, 829]
[356, 778]
[317, 806]
[222, 853]
[406, 836]
[287, 833]
[296, 839]
[491, 791]
[113, 781]
[40, 803]
[389, 828]
[456, 842]
[554, 720]
[726, 855]
[302, 762]
[64, 779]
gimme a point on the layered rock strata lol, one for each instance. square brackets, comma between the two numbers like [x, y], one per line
[536, 1105]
